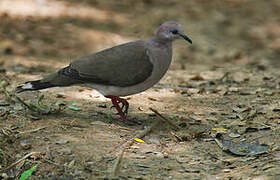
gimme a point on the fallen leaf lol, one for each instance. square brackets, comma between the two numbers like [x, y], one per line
[139, 140]
[241, 149]
[219, 129]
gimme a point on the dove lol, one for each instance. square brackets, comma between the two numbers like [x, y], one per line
[119, 71]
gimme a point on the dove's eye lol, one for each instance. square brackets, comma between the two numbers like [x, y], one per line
[174, 31]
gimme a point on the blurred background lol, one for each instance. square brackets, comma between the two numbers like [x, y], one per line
[228, 78]
[229, 32]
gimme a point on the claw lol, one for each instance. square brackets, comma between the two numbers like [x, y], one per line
[126, 105]
[123, 110]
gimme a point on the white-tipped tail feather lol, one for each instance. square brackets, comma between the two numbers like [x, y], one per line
[33, 85]
[27, 86]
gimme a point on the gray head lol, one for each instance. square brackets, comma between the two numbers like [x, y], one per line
[170, 31]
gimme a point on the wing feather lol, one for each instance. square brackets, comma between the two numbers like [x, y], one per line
[123, 65]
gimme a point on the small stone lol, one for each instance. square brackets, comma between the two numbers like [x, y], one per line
[226, 170]
[4, 176]
[98, 123]
[18, 107]
[139, 157]
[234, 135]
[71, 164]
[182, 159]
[165, 155]
[140, 108]
[197, 78]
[65, 151]
[61, 141]
[78, 172]
[18, 156]
[241, 130]
[25, 144]
[60, 96]
[233, 89]
[159, 155]
[193, 91]
[240, 77]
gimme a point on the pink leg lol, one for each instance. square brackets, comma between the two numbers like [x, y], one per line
[125, 105]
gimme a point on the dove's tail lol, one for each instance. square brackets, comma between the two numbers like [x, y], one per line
[34, 85]
[53, 80]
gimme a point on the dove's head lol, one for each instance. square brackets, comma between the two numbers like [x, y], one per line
[170, 31]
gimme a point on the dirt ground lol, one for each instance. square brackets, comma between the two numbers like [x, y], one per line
[225, 84]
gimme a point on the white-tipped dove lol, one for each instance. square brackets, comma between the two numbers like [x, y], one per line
[121, 70]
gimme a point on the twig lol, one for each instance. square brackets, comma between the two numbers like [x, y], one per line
[53, 163]
[38, 108]
[18, 161]
[224, 76]
[24, 103]
[164, 119]
[128, 144]
[31, 107]
[141, 135]
[176, 136]
[30, 131]
[220, 144]
[10, 98]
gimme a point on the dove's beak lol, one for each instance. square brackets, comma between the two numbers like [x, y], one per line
[185, 37]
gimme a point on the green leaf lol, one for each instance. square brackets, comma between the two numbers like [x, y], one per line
[26, 174]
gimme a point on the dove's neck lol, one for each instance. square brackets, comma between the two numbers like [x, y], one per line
[161, 43]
